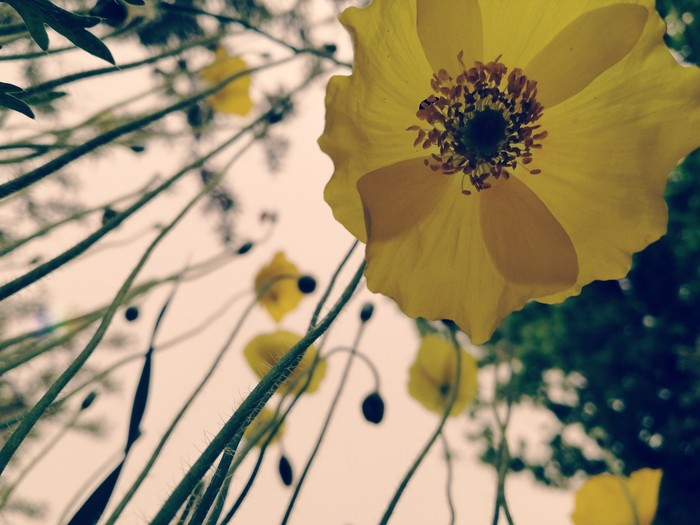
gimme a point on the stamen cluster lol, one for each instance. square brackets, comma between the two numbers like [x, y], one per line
[479, 97]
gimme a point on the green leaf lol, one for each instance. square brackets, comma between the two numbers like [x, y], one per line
[37, 13]
[9, 101]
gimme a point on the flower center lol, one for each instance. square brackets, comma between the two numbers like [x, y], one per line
[483, 123]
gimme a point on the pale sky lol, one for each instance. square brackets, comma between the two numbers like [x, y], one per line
[359, 465]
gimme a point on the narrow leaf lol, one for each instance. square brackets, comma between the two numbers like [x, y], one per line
[93, 508]
[37, 13]
[15, 104]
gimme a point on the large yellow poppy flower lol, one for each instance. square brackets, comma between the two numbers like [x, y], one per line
[432, 374]
[492, 152]
[234, 97]
[617, 500]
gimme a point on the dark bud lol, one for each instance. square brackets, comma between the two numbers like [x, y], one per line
[114, 13]
[182, 64]
[131, 313]
[366, 312]
[206, 175]
[88, 400]
[450, 324]
[285, 470]
[330, 48]
[108, 215]
[138, 148]
[245, 248]
[516, 465]
[198, 115]
[373, 408]
[306, 284]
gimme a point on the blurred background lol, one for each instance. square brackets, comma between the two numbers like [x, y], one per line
[606, 382]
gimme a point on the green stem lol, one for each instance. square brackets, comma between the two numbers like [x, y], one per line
[76, 216]
[26, 180]
[251, 406]
[448, 408]
[448, 487]
[171, 428]
[44, 269]
[220, 474]
[326, 424]
[27, 424]
[67, 79]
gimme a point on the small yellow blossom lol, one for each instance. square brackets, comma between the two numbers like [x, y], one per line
[233, 97]
[490, 152]
[263, 352]
[276, 286]
[433, 372]
[262, 426]
[617, 500]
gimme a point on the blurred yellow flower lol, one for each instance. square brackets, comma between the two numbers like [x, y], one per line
[276, 286]
[617, 500]
[262, 426]
[492, 152]
[263, 352]
[432, 374]
[233, 97]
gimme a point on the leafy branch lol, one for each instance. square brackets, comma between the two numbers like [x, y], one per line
[38, 13]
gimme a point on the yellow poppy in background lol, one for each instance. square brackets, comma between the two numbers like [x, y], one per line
[276, 286]
[432, 374]
[234, 97]
[493, 152]
[617, 500]
[262, 426]
[263, 352]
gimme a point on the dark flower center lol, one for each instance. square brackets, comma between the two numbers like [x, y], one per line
[481, 124]
[483, 134]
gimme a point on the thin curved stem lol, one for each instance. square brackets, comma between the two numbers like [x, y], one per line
[76, 216]
[448, 484]
[251, 406]
[42, 270]
[26, 425]
[29, 178]
[331, 284]
[326, 423]
[448, 407]
[82, 75]
[192, 397]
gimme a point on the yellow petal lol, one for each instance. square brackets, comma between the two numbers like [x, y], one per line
[276, 286]
[584, 49]
[615, 500]
[432, 374]
[518, 32]
[233, 98]
[426, 250]
[368, 112]
[261, 427]
[526, 242]
[608, 155]
[447, 27]
[414, 192]
[264, 350]
[644, 488]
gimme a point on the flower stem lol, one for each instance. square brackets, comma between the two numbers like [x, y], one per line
[326, 423]
[448, 408]
[251, 406]
[448, 464]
